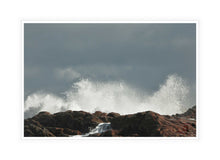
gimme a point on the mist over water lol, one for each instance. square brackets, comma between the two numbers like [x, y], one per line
[173, 96]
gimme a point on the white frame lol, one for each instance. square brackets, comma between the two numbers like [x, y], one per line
[111, 138]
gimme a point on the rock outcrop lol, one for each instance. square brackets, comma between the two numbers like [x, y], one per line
[143, 124]
[63, 123]
[33, 128]
[151, 124]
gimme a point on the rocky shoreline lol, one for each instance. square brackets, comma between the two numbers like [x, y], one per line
[143, 124]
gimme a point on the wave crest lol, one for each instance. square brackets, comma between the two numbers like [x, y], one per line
[171, 97]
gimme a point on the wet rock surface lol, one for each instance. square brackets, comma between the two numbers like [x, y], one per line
[143, 124]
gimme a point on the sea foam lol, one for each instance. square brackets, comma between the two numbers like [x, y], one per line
[173, 96]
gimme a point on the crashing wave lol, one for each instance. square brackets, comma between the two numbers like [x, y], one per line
[173, 96]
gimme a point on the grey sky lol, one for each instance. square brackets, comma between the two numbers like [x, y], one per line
[139, 54]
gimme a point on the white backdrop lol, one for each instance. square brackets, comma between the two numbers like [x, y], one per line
[11, 14]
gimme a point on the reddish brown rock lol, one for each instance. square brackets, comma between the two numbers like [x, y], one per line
[76, 120]
[61, 124]
[45, 118]
[71, 132]
[145, 124]
[63, 132]
[102, 116]
[99, 114]
[113, 115]
[190, 113]
[151, 124]
[33, 128]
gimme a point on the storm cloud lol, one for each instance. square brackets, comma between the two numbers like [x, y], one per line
[139, 54]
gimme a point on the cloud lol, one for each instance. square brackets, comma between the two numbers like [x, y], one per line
[68, 74]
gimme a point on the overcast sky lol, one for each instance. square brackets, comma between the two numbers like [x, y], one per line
[142, 55]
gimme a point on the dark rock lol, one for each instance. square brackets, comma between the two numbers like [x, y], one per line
[113, 115]
[102, 116]
[99, 114]
[33, 128]
[190, 113]
[57, 131]
[60, 124]
[71, 132]
[145, 124]
[46, 119]
[76, 120]
[151, 124]
[63, 132]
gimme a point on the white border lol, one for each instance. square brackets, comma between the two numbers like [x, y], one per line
[22, 79]
[111, 138]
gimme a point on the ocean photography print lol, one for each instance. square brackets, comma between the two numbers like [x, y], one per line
[109, 79]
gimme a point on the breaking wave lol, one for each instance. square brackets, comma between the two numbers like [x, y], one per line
[171, 97]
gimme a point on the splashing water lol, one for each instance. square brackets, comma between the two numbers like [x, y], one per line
[100, 128]
[172, 97]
